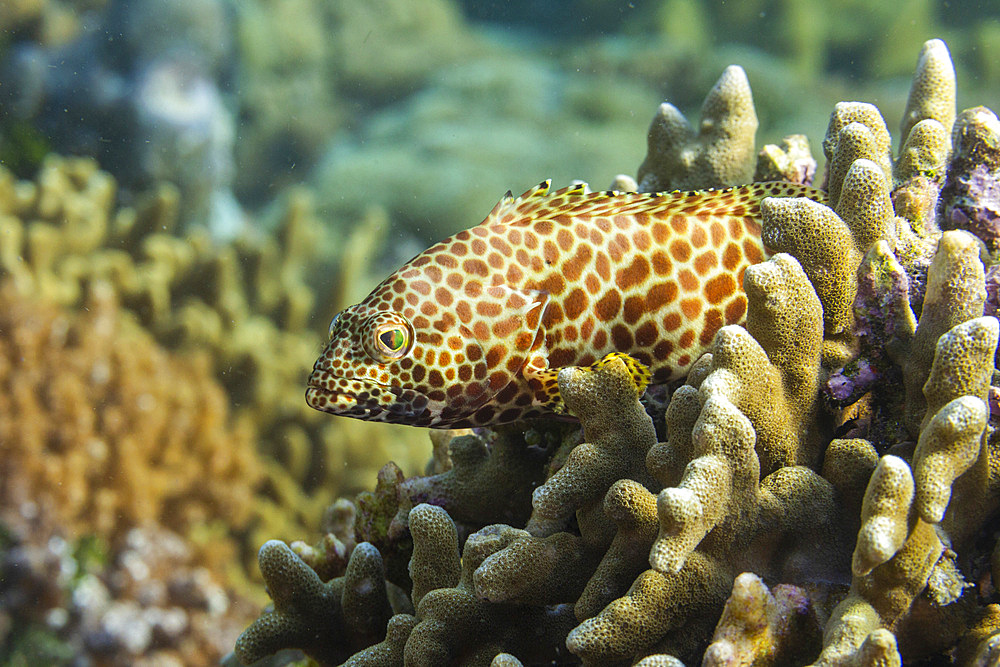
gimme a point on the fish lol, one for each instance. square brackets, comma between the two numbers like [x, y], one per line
[474, 330]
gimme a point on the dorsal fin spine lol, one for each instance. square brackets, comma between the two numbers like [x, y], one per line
[535, 200]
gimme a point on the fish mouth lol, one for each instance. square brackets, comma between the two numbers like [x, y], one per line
[365, 400]
[337, 403]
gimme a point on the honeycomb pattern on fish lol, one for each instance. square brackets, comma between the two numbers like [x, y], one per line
[474, 330]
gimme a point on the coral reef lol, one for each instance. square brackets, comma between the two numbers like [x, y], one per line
[152, 383]
[124, 481]
[105, 430]
[840, 446]
[244, 306]
[148, 597]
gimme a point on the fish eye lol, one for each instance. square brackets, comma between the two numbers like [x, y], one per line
[392, 340]
[389, 337]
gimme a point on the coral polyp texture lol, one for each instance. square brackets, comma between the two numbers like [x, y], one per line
[821, 488]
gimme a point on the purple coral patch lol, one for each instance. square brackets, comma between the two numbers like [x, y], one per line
[977, 210]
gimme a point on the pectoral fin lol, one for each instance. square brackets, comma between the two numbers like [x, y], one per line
[508, 327]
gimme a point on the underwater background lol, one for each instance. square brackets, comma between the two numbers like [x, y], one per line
[190, 189]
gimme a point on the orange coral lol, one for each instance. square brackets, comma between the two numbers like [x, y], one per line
[108, 430]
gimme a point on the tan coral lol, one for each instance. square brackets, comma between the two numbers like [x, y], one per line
[964, 448]
[721, 152]
[792, 161]
[773, 381]
[633, 510]
[535, 570]
[925, 151]
[110, 430]
[455, 622]
[666, 460]
[830, 241]
[388, 652]
[816, 236]
[763, 627]
[616, 448]
[432, 528]
[955, 293]
[719, 485]
[655, 604]
[898, 549]
[949, 443]
[856, 130]
[864, 204]
[351, 610]
[885, 515]
[848, 465]
[892, 566]
[719, 507]
[932, 93]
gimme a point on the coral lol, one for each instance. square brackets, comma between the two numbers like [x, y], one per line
[770, 371]
[351, 610]
[763, 627]
[856, 130]
[955, 293]
[792, 161]
[435, 562]
[720, 154]
[654, 604]
[245, 307]
[146, 599]
[389, 651]
[618, 452]
[108, 430]
[932, 93]
[898, 555]
[633, 510]
[830, 241]
[868, 514]
[456, 625]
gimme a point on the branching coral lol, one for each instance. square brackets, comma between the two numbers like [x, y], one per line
[244, 308]
[458, 625]
[763, 627]
[109, 431]
[862, 513]
[719, 154]
[618, 450]
[330, 621]
[720, 506]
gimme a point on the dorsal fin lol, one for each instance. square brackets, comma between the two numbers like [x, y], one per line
[539, 203]
[508, 203]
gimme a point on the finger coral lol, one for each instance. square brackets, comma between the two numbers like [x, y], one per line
[823, 481]
[719, 154]
[307, 614]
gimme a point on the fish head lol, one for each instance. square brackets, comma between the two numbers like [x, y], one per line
[378, 366]
[442, 370]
